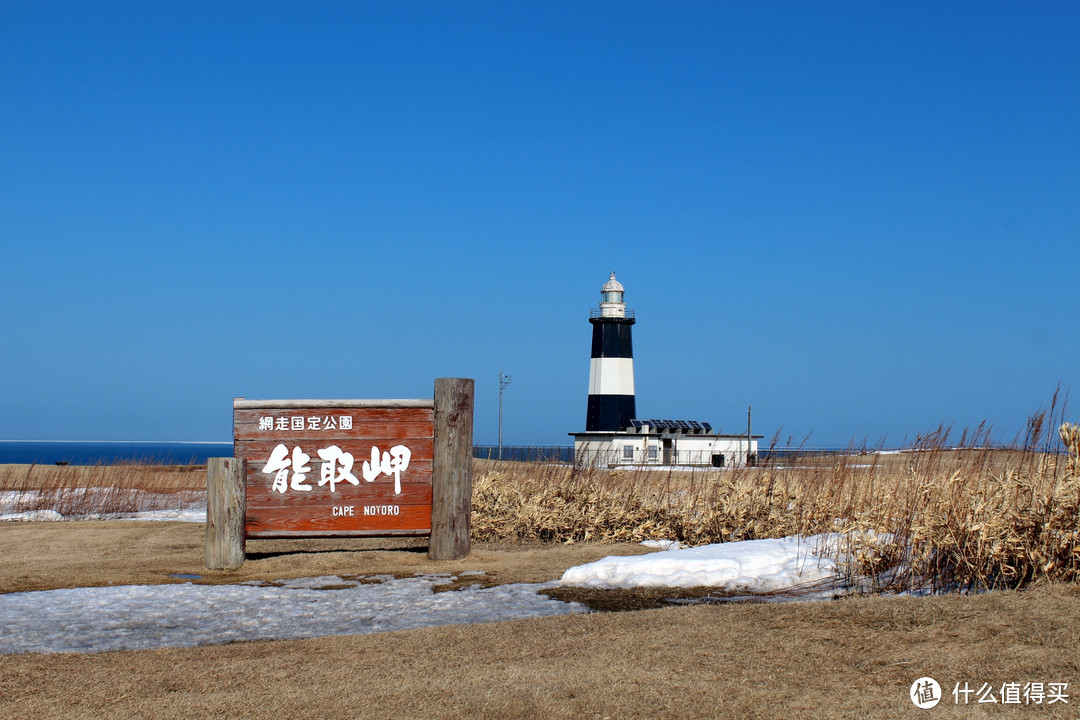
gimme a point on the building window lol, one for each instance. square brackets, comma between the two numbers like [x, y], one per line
[627, 452]
[654, 452]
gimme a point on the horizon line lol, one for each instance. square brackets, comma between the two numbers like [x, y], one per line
[129, 442]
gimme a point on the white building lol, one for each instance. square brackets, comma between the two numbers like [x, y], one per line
[613, 436]
[664, 442]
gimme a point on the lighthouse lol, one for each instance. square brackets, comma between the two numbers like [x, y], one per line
[611, 372]
[614, 436]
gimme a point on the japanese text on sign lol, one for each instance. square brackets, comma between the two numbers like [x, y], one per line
[336, 467]
[306, 422]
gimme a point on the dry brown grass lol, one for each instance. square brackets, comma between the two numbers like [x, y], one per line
[937, 516]
[1070, 438]
[95, 553]
[948, 518]
[94, 490]
[845, 660]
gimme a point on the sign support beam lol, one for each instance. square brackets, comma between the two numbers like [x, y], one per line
[451, 492]
[225, 513]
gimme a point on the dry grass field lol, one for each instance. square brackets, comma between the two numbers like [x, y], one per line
[846, 659]
[132, 476]
[971, 518]
[935, 516]
[86, 491]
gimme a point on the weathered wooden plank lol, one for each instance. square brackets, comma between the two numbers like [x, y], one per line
[369, 413]
[245, 404]
[260, 493]
[260, 496]
[390, 532]
[417, 468]
[319, 423]
[311, 426]
[418, 473]
[371, 434]
[266, 522]
[259, 451]
[225, 513]
[451, 502]
[260, 483]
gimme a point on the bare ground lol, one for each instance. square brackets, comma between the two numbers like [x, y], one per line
[854, 658]
[49, 555]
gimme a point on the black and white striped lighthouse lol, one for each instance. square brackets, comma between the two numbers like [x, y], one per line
[611, 374]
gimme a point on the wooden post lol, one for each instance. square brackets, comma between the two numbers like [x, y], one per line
[451, 479]
[749, 437]
[225, 509]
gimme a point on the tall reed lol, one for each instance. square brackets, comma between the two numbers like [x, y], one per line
[82, 491]
[937, 515]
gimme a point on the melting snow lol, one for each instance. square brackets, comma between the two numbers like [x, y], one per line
[756, 566]
[140, 616]
[663, 544]
[135, 617]
[14, 505]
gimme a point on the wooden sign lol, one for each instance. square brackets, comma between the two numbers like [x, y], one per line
[345, 468]
[335, 468]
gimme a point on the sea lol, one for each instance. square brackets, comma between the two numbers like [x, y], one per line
[61, 452]
[52, 452]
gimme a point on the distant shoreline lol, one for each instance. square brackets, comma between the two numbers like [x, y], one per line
[127, 442]
[104, 452]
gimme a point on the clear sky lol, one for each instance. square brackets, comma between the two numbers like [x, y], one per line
[862, 219]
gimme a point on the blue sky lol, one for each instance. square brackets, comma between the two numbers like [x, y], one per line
[862, 219]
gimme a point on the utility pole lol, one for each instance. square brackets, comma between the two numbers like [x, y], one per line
[749, 439]
[504, 380]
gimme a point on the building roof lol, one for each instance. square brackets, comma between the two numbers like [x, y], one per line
[612, 285]
[679, 426]
[631, 432]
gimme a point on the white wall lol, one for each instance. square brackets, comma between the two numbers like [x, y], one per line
[609, 450]
[611, 376]
[693, 450]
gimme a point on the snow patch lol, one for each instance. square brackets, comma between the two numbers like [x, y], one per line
[755, 566]
[33, 516]
[24, 505]
[663, 544]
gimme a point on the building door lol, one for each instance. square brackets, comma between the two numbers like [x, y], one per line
[667, 452]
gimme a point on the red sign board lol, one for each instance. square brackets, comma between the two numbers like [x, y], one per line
[335, 468]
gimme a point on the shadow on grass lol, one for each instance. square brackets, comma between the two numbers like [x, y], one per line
[266, 554]
[623, 600]
[630, 599]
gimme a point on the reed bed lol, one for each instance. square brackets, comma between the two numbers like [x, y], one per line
[88, 491]
[936, 516]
